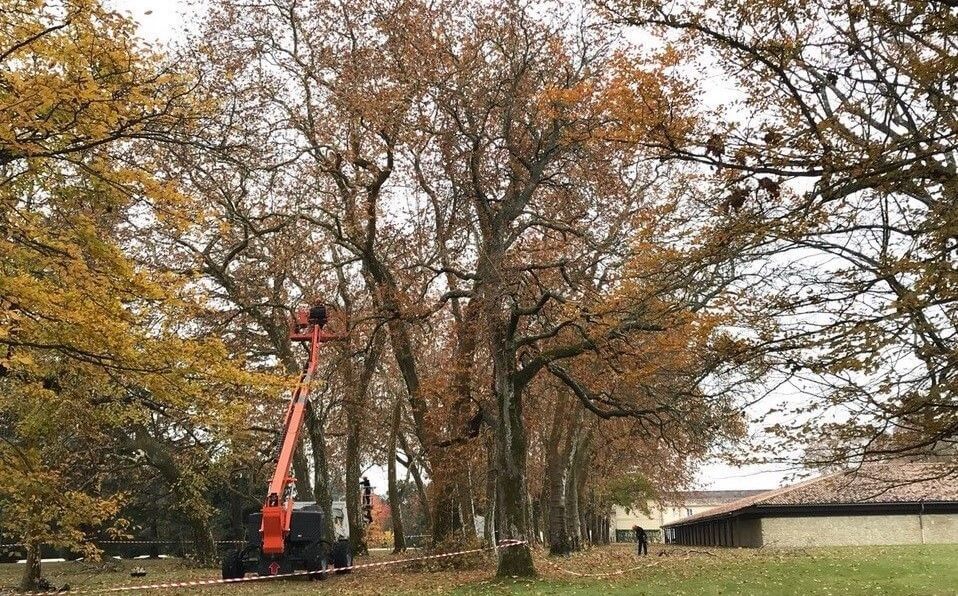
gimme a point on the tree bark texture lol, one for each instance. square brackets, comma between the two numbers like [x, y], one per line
[395, 500]
[31, 571]
[324, 497]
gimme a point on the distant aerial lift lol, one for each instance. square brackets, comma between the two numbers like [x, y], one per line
[287, 536]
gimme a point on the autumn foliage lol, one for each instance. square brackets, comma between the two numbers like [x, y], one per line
[564, 274]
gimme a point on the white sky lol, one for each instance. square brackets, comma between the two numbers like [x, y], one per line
[164, 20]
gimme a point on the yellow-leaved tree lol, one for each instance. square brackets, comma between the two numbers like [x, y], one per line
[99, 354]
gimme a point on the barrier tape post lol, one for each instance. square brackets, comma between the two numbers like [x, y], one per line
[213, 582]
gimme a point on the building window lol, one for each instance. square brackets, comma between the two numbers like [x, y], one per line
[688, 511]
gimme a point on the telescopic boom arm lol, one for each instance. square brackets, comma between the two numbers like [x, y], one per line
[307, 326]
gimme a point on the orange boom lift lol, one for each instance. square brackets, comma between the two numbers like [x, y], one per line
[287, 535]
[278, 508]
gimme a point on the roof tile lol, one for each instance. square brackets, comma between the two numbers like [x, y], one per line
[891, 482]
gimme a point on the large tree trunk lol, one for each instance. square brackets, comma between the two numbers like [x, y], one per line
[444, 511]
[535, 517]
[511, 461]
[183, 492]
[353, 400]
[459, 478]
[575, 486]
[414, 471]
[395, 500]
[558, 536]
[386, 297]
[443, 514]
[557, 454]
[355, 417]
[357, 387]
[446, 515]
[236, 525]
[31, 571]
[579, 486]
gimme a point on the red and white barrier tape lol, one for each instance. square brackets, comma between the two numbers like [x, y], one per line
[12, 544]
[162, 541]
[213, 582]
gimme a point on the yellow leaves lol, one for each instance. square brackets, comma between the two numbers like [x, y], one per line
[74, 77]
[95, 340]
[631, 100]
[39, 505]
[560, 102]
[19, 361]
[648, 100]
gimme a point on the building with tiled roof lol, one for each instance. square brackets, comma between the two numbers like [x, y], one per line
[889, 503]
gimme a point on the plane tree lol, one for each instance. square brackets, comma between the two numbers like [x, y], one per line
[836, 148]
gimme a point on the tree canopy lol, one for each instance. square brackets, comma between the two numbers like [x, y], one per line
[566, 271]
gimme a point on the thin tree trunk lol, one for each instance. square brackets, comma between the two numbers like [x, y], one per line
[357, 533]
[304, 488]
[395, 502]
[324, 497]
[202, 533]
[467, 508]
[489, 526]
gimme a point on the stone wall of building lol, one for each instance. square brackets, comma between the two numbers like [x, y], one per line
[848, 530]
[940, 528]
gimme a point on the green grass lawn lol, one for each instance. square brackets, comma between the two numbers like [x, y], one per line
[911, 570]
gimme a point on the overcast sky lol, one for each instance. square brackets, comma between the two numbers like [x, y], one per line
[164, 20]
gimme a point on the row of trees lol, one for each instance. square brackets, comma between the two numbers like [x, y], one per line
[563, 277]
[479, 192]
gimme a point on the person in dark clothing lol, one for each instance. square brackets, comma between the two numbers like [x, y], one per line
[367, 496]
[641, 540]
[317, 314]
